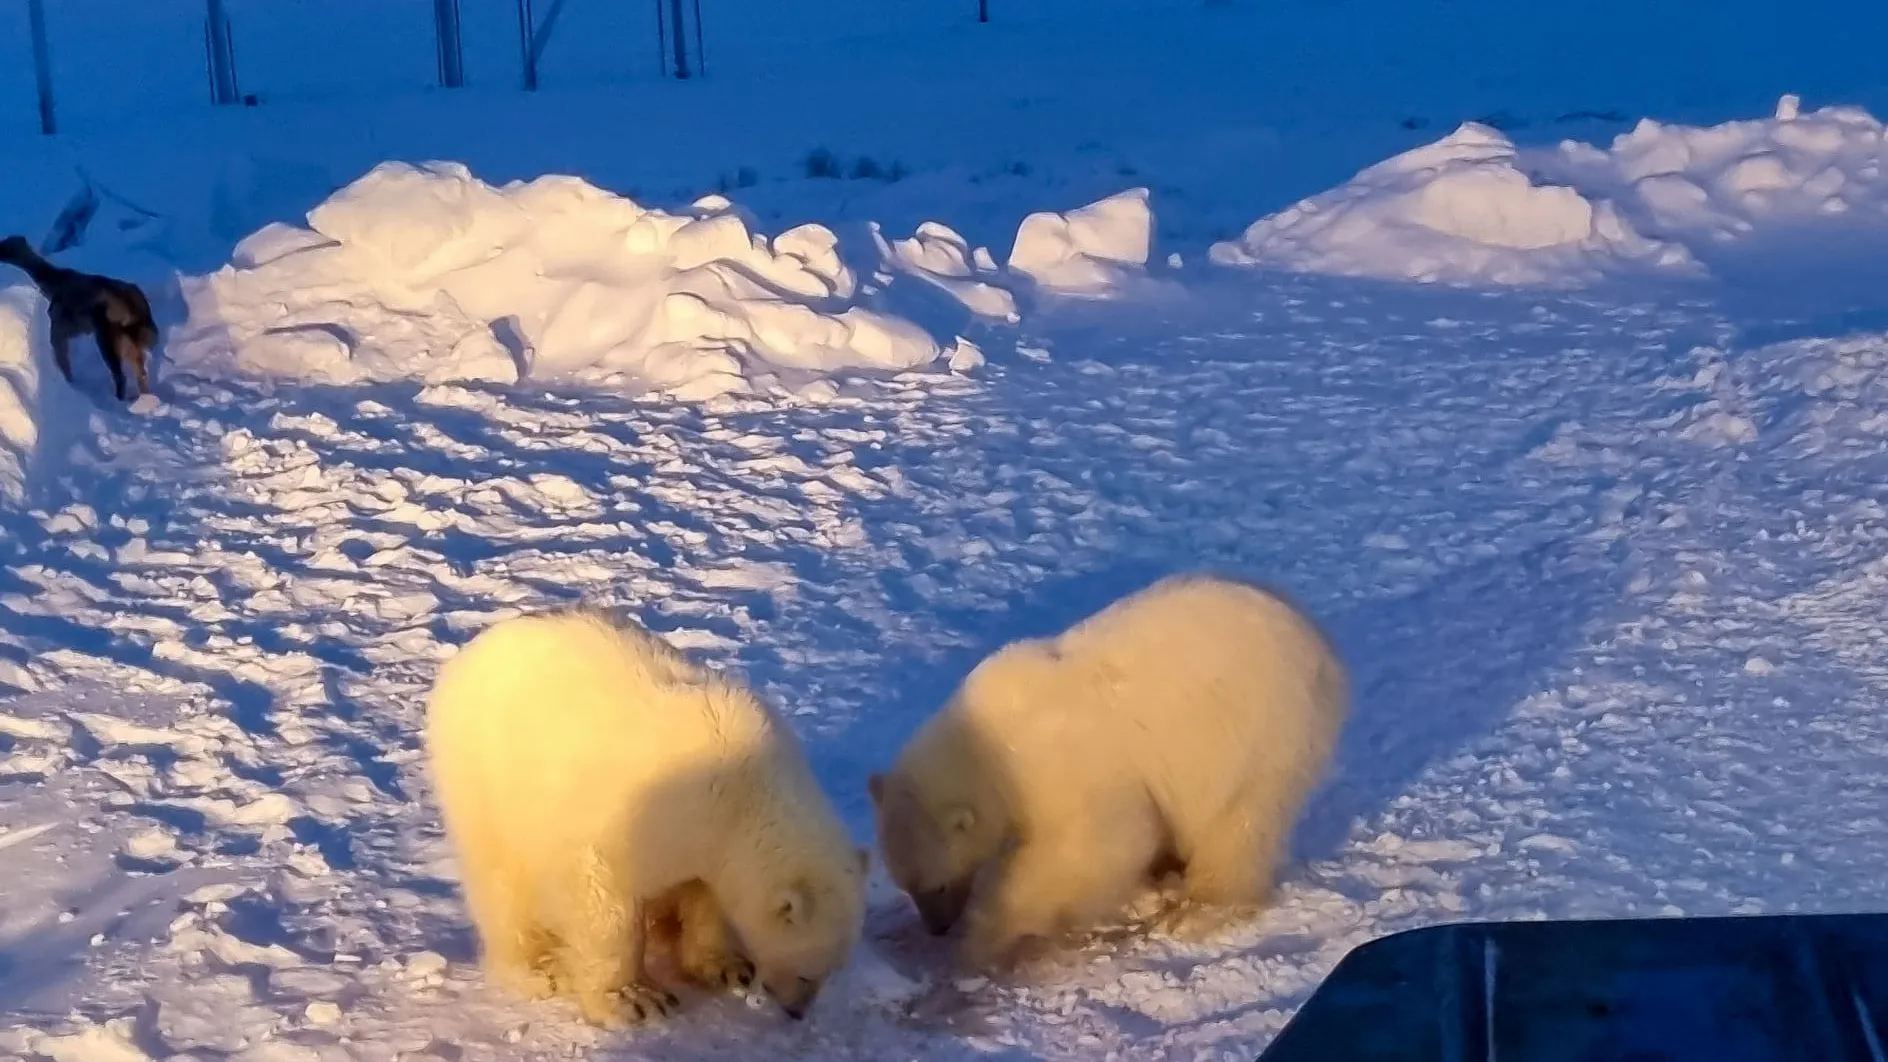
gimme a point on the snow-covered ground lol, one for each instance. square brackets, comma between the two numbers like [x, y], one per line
[1575, 447]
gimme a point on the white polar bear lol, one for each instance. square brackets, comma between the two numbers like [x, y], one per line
[594, 781]
[1183, 724]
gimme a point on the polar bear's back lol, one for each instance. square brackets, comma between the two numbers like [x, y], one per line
[547, 729]
[1190, 688]
[1216, 668]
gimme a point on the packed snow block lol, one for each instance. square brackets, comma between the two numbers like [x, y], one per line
[1796, 988]
[19, 391]
[1796, 177]
[1460, 210]
[35, 402]
[1471, 208]
[1089, 251]
[939, 256]
[426, 272]
[421, 223]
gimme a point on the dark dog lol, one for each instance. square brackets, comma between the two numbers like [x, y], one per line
[115, 312]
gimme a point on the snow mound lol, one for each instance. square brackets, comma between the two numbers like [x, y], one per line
[34, 401]
[426, 272]
[939, 256]
[1087, 251]
[1472, 208]
[1460, 210]
[1714, 188]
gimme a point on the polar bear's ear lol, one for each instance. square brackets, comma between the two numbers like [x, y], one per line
[791, 905]
[959, 819]
[875, 785]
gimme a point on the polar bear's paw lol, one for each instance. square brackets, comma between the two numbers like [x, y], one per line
[536, 984]
[634, 1004]
[536, 979]
[1197, 923]
[722, 970]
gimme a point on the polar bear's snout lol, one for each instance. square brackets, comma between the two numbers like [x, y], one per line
[794, 994]
[940, 908]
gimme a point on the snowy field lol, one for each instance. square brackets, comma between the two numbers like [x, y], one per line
[1544, 356]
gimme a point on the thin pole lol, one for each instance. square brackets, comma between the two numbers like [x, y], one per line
[541, 34]
[681, 40]
[451, 47]
[701, 44]
[222, 64]
[526, 30]
[983, 10]
[662, 41]
[42, 64]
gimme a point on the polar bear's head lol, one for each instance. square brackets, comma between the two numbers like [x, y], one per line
[798, 929]
[942, 810]
[932, 848]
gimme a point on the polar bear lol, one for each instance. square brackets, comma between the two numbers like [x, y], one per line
[593, 781]
[1184, 724]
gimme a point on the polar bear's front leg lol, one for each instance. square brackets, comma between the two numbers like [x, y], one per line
[1235, 859]
[604, 951]
[707, 952]
[1052, 884]
[519, 954]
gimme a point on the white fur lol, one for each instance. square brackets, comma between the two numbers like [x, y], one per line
[592, 778]
[1187, 721]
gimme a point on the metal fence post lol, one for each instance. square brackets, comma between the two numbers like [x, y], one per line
[42, 64]
[527, 30]
[672, 41]
[451, 45]
[701, 44]
[662, 41]
[222, 54]
[681, 40]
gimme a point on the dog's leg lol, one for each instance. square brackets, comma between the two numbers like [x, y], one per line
[62, 333]
[132, 353]
[109, 347]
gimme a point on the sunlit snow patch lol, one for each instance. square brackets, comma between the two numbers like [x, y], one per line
[1460, 210]
[1089, 251]
[938, 255]
[35, 403]
[429, 273]
[1671, 199]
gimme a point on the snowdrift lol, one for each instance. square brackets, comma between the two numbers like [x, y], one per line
[35, 402]
[1458, 210]
[426, 272]
[19, 391]
[1473, 208]
[1088, 251]
[939, 256]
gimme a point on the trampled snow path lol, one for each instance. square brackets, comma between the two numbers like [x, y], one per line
[1609, 580]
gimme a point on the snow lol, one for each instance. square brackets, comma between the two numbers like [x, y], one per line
[35, 407]
[222, 642]
[19, 388]
[428, 273]
[1471, 208]
[940, 256]
[1460, 210]
[1087, 251]
[1601, 538]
